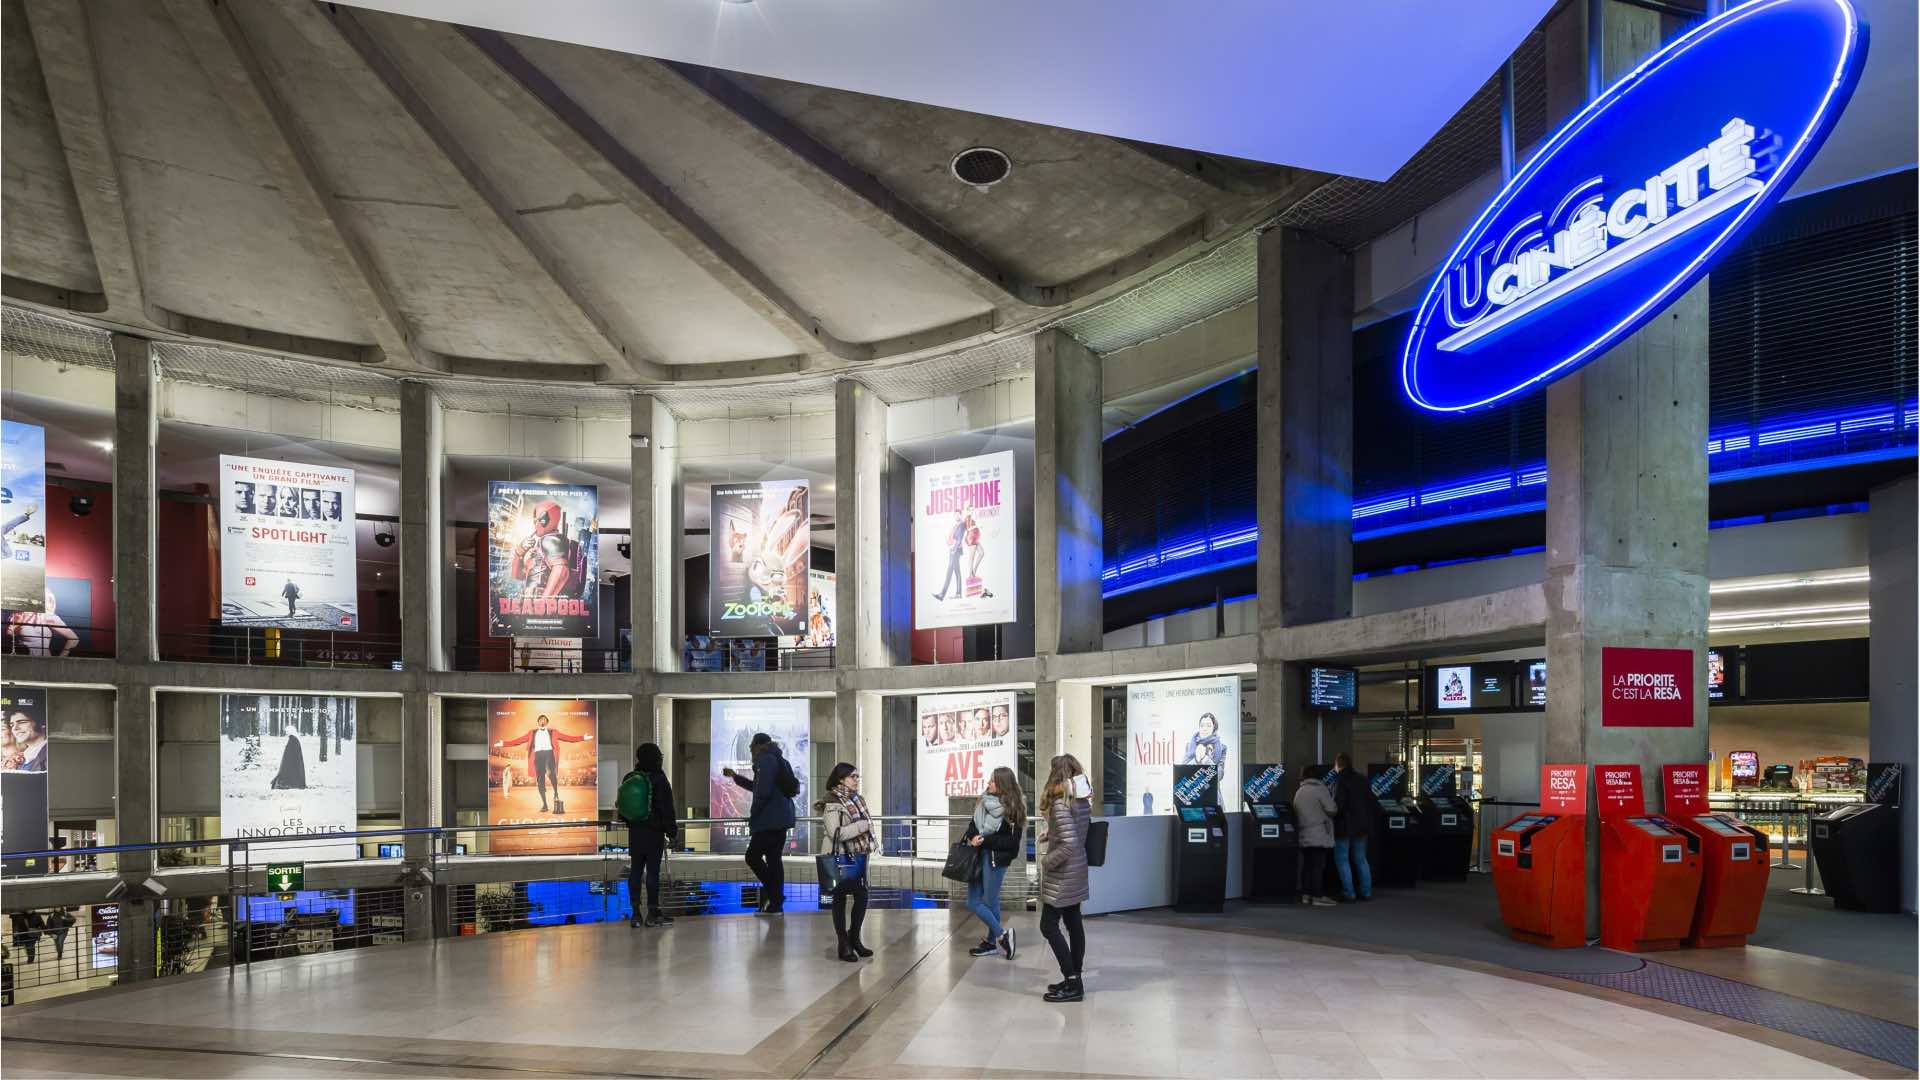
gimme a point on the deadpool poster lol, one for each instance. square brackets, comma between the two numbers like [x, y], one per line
[543, 560]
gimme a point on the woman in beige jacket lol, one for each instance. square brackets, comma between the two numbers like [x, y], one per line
[1066, 814]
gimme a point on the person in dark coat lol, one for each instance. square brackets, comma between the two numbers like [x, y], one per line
[1352, 824]
[768, 820]
[648, 840]
[293, 764]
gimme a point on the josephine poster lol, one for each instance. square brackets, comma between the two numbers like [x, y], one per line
[965, 545]
[543, 768]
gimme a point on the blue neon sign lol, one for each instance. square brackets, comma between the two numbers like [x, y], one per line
[1629, 205]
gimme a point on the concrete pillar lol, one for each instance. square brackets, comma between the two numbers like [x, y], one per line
[136, 819]
[136, 424]
[1892, 720]
[656, 711]
[423, 638]
[420, 784]
[866, 637]
[1066, 718]
[1303, 487]
[657, 595]
[1067, 507]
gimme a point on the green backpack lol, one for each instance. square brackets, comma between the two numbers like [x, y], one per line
[635, 801]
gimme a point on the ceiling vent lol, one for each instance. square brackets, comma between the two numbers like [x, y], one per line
[981, 166]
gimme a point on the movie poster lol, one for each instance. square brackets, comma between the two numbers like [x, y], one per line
[1184, 722]
[820, 611]
[23, 776]
[965, 542]
[288, 766]
[543, 562]
[543, 768]
[757, 583]
[287, 555]
[734, 724]
[963, 738]
[23, 516]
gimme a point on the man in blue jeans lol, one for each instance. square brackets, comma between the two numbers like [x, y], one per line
[1352, 823]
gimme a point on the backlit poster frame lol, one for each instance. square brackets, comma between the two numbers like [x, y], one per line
[288, 554]
[23, 516]
[25, 769]
[543, 780]
[759, 551]
[289, 766]
[733, 724]
[966, 542]
[1165, 728]
[543, 560]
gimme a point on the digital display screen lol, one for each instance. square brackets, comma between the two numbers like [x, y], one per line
[390, 851]
[1193, 813]
[1717, 675]
[1745, 764]
[1536, 684]
[1332, 689]
[1492, 686]
[1263, 811]
[1453, 687]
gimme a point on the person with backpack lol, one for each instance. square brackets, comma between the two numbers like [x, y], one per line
[645, 803]
[847, 835]
[1067, 817]
[998, 826]
[769, 818]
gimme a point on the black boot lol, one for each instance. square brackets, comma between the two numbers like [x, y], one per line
[853, 939]
[1070, 990]
[846, 950]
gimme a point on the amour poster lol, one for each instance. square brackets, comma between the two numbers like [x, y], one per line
[734, 723]
[1181, 722]
[289, 766]
[965, 542]
[543, 559]
[543, 768]
[23, 775]
[757, 569]
[287, 552]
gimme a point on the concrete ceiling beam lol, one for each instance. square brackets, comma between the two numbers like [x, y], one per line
[525, 254]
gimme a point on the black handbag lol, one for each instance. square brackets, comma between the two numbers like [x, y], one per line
[1097, 844]
[963, 863]
[830, 871]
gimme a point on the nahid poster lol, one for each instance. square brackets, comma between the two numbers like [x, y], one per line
[1182, 722]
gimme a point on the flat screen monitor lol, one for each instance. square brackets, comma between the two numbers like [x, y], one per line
[1193, 814]
[1332, 689]
[1264, 811]
[390, 851]
[1493, 686]
[1745, 764]
[1719, 675]
[1536, 689]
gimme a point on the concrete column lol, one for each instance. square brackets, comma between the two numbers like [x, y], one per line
[864, 637]
[1066, 717]
[420, 784]
[1067, 488]
[1304, 482]
[136, 819]
[423, 637]
[658, 714]
[136, 424]
[1892, 721]
[658, 611]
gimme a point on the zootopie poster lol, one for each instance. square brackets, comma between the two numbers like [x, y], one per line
[735, 722]
[287, 555]
[543, 768]
[23, 775]
[758, 557]
[543, 559]
[965, 542]
[288, 766]
[23, 516]
[1186, 722]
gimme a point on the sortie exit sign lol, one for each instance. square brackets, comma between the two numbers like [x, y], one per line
[286, 877]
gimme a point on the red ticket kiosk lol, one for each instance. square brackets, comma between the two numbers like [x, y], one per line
[1540, 863]
[1733, 861]
[1649, 867]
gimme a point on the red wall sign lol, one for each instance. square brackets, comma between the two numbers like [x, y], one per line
[1686, 788]
[1646, 687]
[1616, 788]
[1563, 789]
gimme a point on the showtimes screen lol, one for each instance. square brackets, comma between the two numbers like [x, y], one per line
[1332, 689]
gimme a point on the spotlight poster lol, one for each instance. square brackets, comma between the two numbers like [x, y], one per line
[287, 556]
[23, 776]
[543, 560]
[543, 768]
[288, 767]
[23, 516]
[1181, 722]
[759, 557]
[965, 543]
[735, 722]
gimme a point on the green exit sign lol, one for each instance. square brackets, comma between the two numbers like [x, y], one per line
[287, 877]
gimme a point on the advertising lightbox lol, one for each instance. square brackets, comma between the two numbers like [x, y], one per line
[965, 542]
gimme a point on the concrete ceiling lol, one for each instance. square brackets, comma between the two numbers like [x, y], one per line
[418, 198]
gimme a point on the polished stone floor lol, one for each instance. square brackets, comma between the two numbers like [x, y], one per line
[747, 996]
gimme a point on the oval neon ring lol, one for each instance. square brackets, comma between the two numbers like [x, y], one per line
[1629, 205]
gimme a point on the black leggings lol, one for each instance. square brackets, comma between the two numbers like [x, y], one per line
[1070, 949]
[1313, 870]
[856, 888]
[763, 858]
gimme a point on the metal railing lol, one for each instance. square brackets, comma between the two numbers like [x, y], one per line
[702, 653]
[257, 646]
[508, 654]
[24, 635]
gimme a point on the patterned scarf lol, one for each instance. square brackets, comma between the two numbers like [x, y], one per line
[856, 808]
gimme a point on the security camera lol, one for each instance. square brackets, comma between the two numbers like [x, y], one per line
[384, 539]
[626, 549]
[81, 505]
[639, 441]
[119, 889]
[153, 886]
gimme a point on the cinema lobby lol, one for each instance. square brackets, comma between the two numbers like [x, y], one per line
[910, 538]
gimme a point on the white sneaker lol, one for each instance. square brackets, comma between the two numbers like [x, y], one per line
[1321, 901]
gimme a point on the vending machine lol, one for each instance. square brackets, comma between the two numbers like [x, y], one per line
[1733, 860]
[1857, 846]
[1649, 867]
[1270, 841]
[1199, 840]
[1540, 863]
[1446, 822]
[1394, 849]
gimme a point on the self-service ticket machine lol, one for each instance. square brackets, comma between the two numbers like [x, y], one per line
[1270, 840]
[1446, 825]
[1540, 863]
[1649, 867]
[1733, 861]
[1394, 849]
[1857, 846]
[1199, 840]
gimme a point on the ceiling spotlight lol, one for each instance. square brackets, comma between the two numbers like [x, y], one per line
[626, 549]
[980, 166]
[80, 505]
[384, 539]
